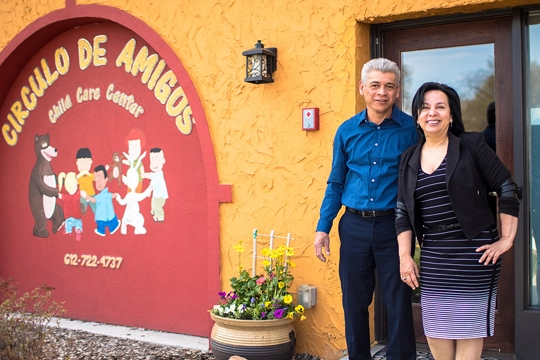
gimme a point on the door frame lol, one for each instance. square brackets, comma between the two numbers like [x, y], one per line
[527, 319]
[471, 26]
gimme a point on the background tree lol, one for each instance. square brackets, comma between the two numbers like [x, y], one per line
[481, 84]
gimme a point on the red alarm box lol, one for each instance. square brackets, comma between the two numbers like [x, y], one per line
[310, 119]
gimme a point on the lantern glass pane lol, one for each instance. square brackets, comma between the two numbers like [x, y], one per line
[264, 65]
[254, 65]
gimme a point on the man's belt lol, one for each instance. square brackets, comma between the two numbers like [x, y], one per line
[442, 227]
[370, 213]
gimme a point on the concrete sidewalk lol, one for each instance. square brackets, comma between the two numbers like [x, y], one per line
[150, 336]
[203, 344]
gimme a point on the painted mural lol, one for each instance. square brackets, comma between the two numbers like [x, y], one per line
[105, 178]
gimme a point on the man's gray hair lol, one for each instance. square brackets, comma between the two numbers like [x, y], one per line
[383, 65]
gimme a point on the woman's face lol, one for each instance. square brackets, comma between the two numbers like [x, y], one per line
[434, 117]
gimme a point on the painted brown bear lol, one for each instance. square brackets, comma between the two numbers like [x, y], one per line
[43, 190]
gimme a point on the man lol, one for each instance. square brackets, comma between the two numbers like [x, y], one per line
[367, 150]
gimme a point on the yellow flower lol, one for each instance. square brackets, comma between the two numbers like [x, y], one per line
[281, 284]
[302, 318]
[299, 309]
[266, 252]
[289, 252]
[266, 263]
[291, 264]
[267, 304]
[287, 299]
[238, 247]
[290, 315]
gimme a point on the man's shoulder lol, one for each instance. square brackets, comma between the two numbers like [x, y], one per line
[351, 122]
[406, 119]
[356, 118]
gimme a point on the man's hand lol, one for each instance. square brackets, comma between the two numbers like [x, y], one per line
[322, 240]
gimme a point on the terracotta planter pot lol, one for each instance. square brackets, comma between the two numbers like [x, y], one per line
[252, 339]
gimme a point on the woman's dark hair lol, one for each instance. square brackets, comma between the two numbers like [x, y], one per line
[453, 101]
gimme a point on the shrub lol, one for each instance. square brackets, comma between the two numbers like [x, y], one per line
[24, 322]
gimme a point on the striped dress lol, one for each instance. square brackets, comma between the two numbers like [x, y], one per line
[457, 293]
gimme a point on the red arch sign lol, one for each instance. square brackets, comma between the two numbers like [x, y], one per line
[110, 191]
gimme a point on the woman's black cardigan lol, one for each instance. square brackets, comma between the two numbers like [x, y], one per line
[472, 170]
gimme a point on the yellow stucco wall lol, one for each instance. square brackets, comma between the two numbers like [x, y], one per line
[278, 171]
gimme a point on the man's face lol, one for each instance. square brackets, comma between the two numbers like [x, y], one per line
[380, 92]
[156, 161]
[84, 164]
[100, 180]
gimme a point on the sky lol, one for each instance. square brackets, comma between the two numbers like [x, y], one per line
[446, 65]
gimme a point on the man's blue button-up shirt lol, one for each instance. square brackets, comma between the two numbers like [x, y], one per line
[365, 164]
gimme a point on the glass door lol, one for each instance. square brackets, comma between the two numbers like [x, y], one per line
[474, 58]
[528, 273]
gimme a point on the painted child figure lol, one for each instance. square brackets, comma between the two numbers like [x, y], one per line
[85, 179]
[104, 214]
[72, 200]
[135, 142]
[157, 184]
[132, 214]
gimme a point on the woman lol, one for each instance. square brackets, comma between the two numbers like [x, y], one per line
[442, 199]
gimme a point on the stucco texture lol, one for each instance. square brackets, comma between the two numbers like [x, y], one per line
[278, 171]
[16, 15]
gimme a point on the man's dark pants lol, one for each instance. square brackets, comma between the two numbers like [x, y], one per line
[366, 244]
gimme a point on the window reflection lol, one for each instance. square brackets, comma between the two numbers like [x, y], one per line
[468, 69]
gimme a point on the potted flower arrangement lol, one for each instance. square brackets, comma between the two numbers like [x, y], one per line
[254, 319]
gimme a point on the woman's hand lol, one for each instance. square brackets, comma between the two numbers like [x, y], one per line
[493, 251]
[409, 271]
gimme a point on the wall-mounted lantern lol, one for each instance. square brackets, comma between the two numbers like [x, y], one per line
[260, 64]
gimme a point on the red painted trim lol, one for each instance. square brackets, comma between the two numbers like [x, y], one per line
[25, 44]
[225, 193]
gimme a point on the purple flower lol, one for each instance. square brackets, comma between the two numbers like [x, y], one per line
[222, 294]
[263, 314]
[252, 300]
[278, 313]
[233, 296]
[271, 276]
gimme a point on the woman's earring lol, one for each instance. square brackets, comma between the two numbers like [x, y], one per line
[451, 122]
[417, 125]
